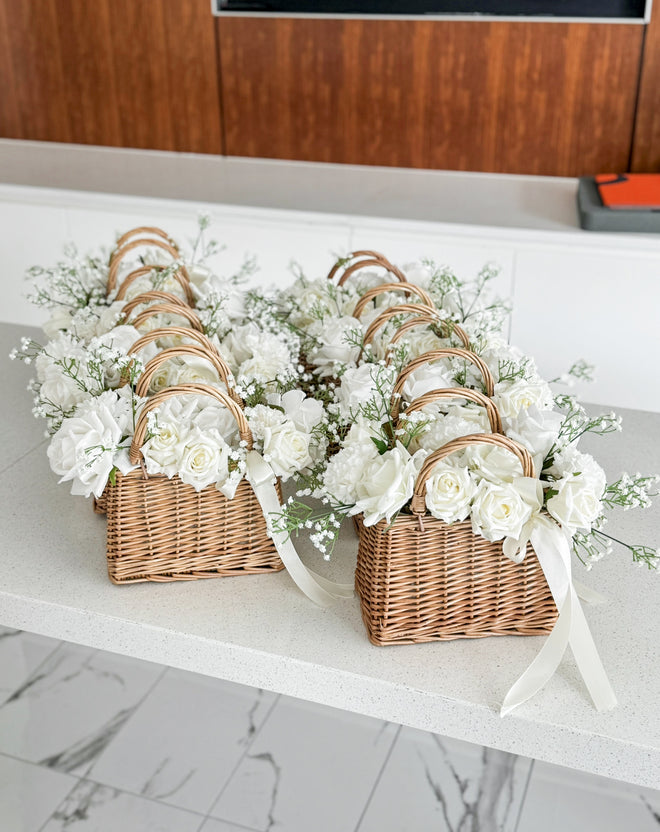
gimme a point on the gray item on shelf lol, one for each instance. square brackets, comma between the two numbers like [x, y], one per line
[594, 216]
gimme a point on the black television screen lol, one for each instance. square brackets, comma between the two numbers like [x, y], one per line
[365, 8]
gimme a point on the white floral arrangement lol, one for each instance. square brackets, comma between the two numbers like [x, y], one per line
[86, 378]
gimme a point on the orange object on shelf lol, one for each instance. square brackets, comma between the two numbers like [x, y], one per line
[625, 191]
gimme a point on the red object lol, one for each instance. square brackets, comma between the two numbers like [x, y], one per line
[629, 190]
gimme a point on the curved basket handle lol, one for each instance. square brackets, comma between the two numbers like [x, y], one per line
[418, 503]
[393, 312]
[143, 241]
[173, 331]
[148, 297]
[181, 275]
[452, 393]
[217, 362]
[447, 352]
[408, 288]
[373, 258]
[169, 309]
[180, 390]
[152, 230]
[448, 326]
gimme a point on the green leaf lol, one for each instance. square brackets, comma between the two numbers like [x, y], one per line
[113, 476]
[381, 444]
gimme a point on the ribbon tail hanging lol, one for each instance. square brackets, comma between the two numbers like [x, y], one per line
[318, 589]
[552, 549]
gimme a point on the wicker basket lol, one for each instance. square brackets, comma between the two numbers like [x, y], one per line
[420, 579]
[143, 242]
[161, 529]
[357, 260]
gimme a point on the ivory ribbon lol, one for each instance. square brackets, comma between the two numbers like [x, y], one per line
[552, 548]
[320, 590]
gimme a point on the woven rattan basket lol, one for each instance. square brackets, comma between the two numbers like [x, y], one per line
[161, 529]
[420, 579]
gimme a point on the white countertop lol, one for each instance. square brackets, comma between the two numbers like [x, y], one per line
[261, 631]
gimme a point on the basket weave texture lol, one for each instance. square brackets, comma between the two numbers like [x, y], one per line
[161, 529]
[420, 579]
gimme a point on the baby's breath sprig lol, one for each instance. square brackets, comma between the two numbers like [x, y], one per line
[581, 370]
[631, 492]
[324, 524]
[577, 422]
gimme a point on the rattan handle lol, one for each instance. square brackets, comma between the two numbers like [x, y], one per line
[169, 332]
[142, 230]
[180, 275]
[393, 312]
[119, 256]
[453, 393]
[180, 390]
[217, 362]
[425, 320]
[418, 503]
[408, 288]
[169, 309]
[373, 258]
[447, 352]
[148, 297]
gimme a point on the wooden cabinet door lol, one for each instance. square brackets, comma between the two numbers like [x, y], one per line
[127, 73]
[515, 97]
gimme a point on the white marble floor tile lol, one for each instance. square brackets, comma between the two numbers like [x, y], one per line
[185, 739]
[20, 654]
[572, 801]
[444, 785]
[309, 768]
[213, 825]
[29, 794]
[67, 711]
[92, 807]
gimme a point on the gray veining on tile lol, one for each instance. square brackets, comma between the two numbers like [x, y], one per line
[29, 794]
[309, 768]
[430, 782]
[69, 709]
[20, 655]
[185, 739]
[92, 807]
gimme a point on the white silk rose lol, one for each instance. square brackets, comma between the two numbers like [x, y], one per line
[60, 319]
[577, 503]
[449, 491]
[500, 511]
[385, 485]
[493, 463]
[304, 412]
[359, 385]
[336, 345]
[194, 370]
[87, 446]
[205, 459]
[286, 449]
[426, 378]
[513, 397]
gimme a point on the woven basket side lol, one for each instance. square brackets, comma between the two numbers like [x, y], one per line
[161, 529]
[444, 583]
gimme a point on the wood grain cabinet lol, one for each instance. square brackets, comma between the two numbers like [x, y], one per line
[516, 97]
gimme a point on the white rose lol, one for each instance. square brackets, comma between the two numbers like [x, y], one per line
[577, 503]
[162, 452]
[428, 377]
[86, 447]
[194, 370]
[309, 300]
[513, 397]
[241, 342]
[420, 340]
[500, 511]
[536, 429]
[60, 319]
[449, 491]
[359, 385]
[204, 460]
[61, 390]
[109, 317]
[305, 413]
[419, 274]
[359, 436]
[217, 417]
[335, 336]
[386, 485]
[570, 462]
[166, 375]
[286, 449]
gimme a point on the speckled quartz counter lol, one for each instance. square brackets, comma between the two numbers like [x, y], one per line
[261, 631]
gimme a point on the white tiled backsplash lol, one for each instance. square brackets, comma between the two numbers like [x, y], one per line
[574, 295]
